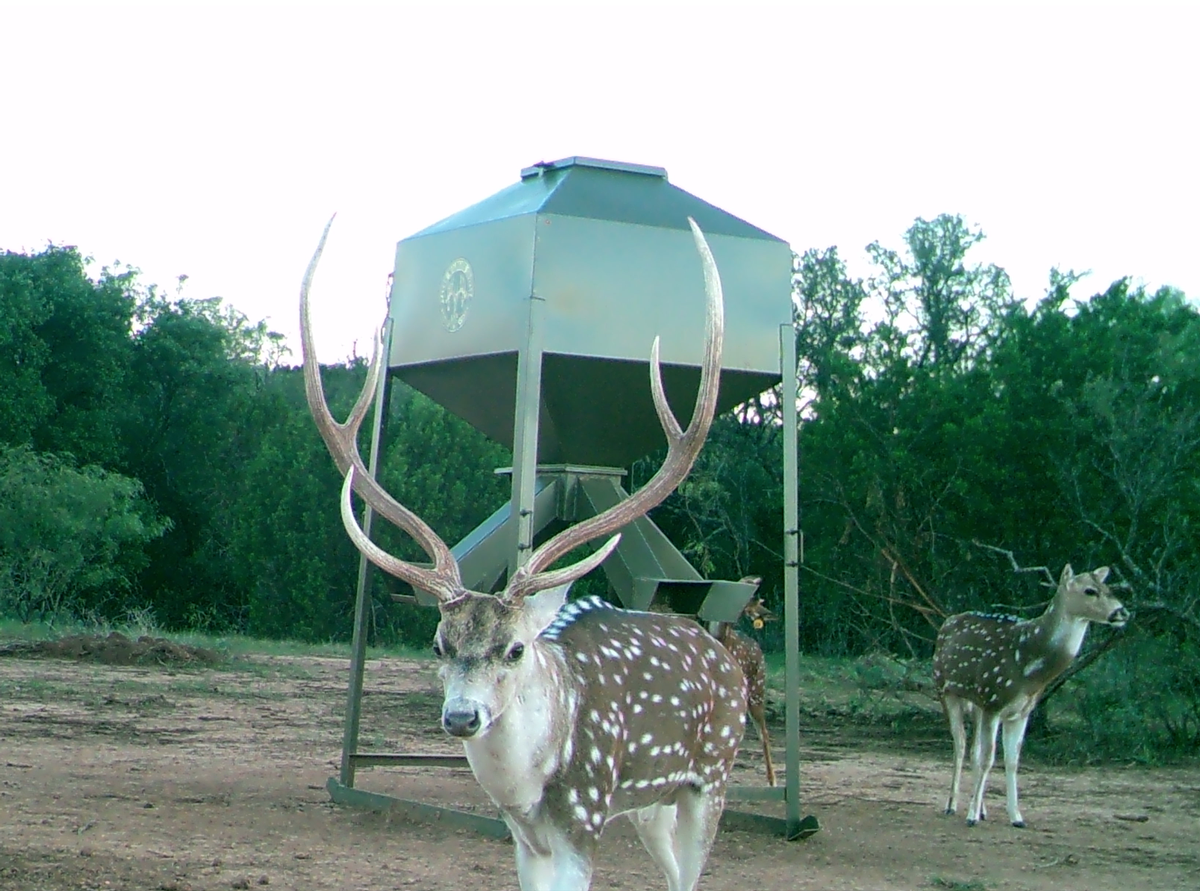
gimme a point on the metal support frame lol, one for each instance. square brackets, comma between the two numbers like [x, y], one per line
[645, 567]
[796, 827]
[358, 644]
[525, 435]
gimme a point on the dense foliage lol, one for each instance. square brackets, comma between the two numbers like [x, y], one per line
[155, 453]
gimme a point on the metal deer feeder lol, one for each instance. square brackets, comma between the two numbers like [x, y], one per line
[530, 315]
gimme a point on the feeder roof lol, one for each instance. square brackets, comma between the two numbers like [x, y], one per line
[600, 190]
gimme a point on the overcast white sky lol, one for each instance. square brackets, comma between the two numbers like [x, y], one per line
[216, 139]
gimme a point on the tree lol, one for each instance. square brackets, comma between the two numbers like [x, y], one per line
[189, 433]
[64, 353]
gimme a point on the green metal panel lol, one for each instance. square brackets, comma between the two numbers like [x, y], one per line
[495, 311]
[609, 289]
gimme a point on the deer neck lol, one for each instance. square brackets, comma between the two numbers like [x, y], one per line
[531, 739]
[1047, 645]
[1062, 632]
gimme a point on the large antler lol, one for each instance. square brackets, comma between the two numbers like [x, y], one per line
[443, 581]
[683, 447]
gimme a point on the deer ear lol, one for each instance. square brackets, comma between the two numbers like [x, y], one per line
[1101, 574]
[1067, 574]
[541, 608]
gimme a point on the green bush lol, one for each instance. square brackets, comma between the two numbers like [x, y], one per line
[68, 535]
[1140, 702]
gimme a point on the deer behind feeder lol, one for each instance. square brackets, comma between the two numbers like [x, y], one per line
[572, 714]
[749, 656]
[995, 668]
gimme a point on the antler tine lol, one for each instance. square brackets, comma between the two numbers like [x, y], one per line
[683, 447]
[443, 581]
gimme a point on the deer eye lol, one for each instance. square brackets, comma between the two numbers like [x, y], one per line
[515, 652]
[1090, 591]
[437, 649]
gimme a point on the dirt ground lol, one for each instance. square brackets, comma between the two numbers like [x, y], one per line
[165, 778]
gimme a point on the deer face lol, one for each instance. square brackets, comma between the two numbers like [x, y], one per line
[1087, 597]
[485, 647]
[758, 614]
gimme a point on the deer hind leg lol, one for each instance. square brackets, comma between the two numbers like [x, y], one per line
[655, 826]
[958, 731]
[1014, 735]
[759, 716]
[975, 713]
[985, 749]
[699, 815]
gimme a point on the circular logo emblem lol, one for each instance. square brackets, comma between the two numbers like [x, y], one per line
[458, 286]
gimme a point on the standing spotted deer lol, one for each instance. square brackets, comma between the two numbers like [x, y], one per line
[995, 669]
[749, 657]
[571, 715]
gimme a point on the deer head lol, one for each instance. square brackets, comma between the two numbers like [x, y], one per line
[758, 614]
[1086, 598]
[482, 643]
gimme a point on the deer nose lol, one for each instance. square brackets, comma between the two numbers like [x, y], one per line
[1119, 616]
[461, 722]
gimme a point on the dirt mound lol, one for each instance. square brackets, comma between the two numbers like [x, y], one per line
[115, 649]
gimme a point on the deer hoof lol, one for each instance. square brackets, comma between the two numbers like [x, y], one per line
[971, 822]
[1020, 824]
[949, 812]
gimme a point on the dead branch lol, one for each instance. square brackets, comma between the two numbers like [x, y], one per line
[928, 613]
[1017, 567]
[897, 561]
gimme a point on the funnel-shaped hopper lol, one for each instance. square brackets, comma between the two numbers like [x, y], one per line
[606, 250]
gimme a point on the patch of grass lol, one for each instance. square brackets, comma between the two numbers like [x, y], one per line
[956, 885]
[1139, 703]
[876, 688]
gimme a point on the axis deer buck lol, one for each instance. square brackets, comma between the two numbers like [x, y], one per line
[995, 669]
[749, 656]
[573, 714]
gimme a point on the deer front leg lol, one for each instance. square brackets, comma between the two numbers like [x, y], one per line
[1014, 736]
[547, 861]
[986, 726]
[954, 714]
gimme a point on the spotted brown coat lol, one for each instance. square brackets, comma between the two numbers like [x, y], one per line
[749, 656]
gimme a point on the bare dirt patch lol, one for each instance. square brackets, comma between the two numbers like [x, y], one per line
[152, 778]
[114, 649]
